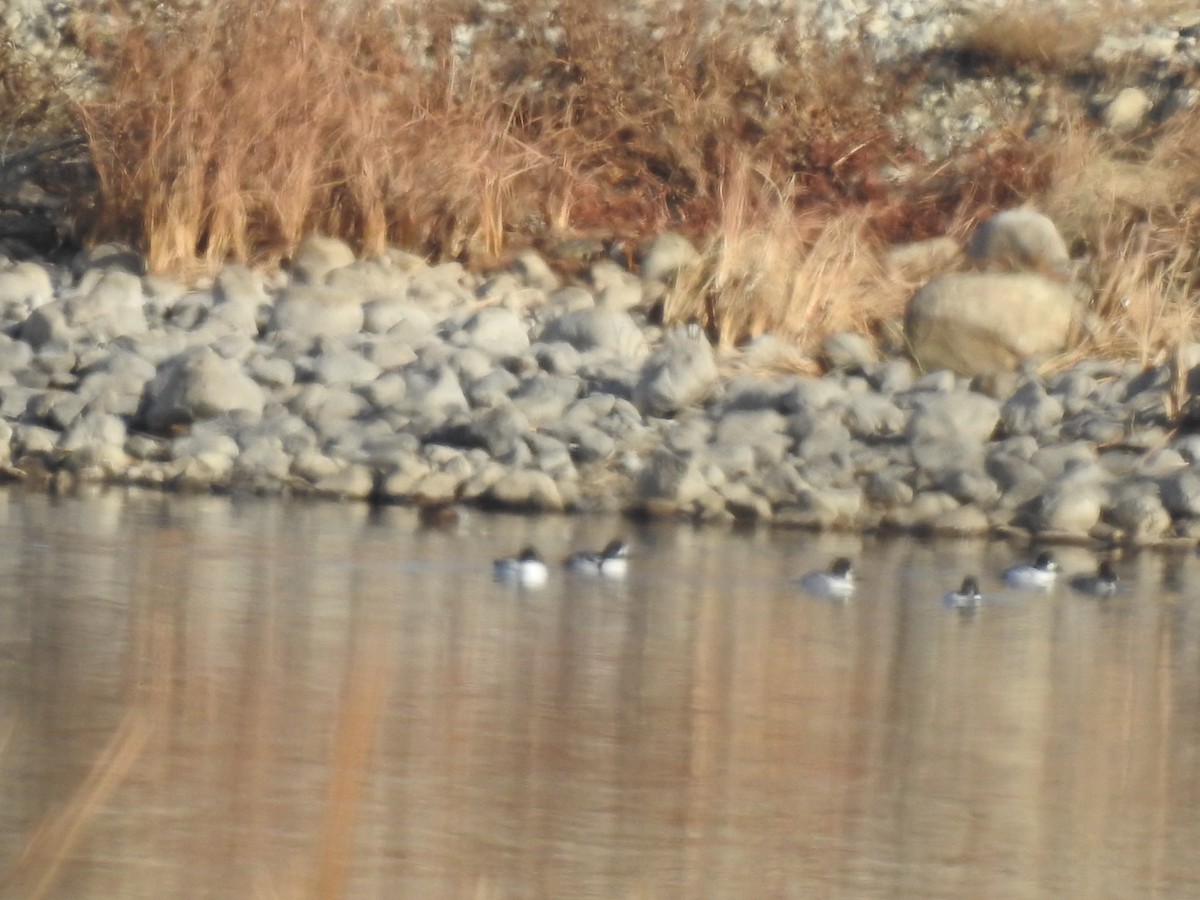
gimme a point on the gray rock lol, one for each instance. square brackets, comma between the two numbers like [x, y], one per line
[814, 395]
[313, 465]
[892, 376]
[499, 430]
[847, 350]
[47, 323]
[271, 372]
[1181, 493]
[962, 521]
[665, 256]
[608, 330]
[335, 365]
[56, 409]
[1019, 481]
[315, 312]
[735, 461]
[436, 391]
[980, 323]
[588, 444]
[400, 319]
[622, 293]
[262, 460]
[961, 415]
[388, 352]
[544, 398]
[95, 439]
[525, 490]
[326, 408]
[968, 485]
[24, 287]
[1020, 239]
[1138, 511]
[15, 356]
[532, 269]
[319, 255]
[677, 375]
[198, 384]
[1071, 508]
[1030, 410]
[672, 478]
[370, 279]
[751, 427]
[886, 489]
[203, 458]
[354, 481]
[239, 285]
[1057, 460]
[497, 331]
[557, 358]
[874, 416]
[493, 389]
[32, 440]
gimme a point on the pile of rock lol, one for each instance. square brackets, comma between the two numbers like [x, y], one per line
[397, 381]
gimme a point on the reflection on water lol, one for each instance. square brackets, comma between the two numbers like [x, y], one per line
[210, 698]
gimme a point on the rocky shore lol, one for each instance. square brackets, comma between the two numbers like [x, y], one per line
[394, 381]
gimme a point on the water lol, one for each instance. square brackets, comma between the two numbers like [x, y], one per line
[210, 698]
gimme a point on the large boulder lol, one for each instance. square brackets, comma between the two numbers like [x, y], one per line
[981, 323]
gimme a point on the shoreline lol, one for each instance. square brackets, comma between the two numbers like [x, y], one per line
[393, 381]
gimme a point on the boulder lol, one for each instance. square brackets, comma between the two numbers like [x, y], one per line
[1020, 239]
[315, 311]
[983, 323]
[677, 375]
[198, 384]
[317, 256]
[606, 329]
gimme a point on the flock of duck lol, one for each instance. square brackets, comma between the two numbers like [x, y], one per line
[1040, 575]
[528, 569]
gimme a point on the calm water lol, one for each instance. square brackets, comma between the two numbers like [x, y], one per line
[211, 698]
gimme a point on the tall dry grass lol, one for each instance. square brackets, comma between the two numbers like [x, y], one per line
[233, 134]
[232, 130]
[771, 267]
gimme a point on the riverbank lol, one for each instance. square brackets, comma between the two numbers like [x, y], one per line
[705, 269]
[395, 381]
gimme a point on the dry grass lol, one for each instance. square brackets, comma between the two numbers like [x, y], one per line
[237, 134]
[233, 130]
[771, 268]
[1134, 213]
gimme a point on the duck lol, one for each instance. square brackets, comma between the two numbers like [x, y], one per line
[1039, 576]
[1102, 584]
[527, 569]
[611, 562]
[837, 583]
[966, 597]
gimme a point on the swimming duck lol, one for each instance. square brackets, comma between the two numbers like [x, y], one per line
[837, 583]
[966, 597]
[1039, 576]
[611, 562]
[1102, 584]
[525, 570]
